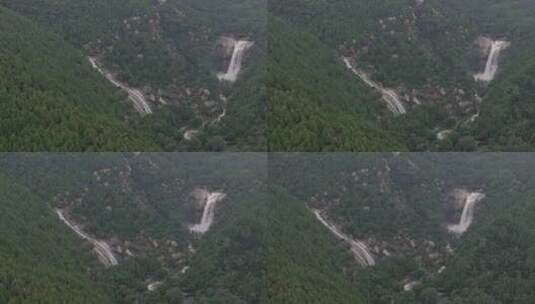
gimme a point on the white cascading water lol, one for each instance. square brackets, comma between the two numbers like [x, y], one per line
[184, 269]
[467, 216]
[491, 67]
[136, 96]
[359, 249]
[391, 98]
[189, 135]
[103, 250]
[442, 135]
[221, 116]
[234, 68]
[154, 286]
[208, 214]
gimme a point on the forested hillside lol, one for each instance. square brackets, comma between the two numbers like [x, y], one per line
[40, 263]
[404, 210]
[422, 56]
[303, 261]
[141, 239]
[51, 98]
[322, 109]
[233, 228]
[166, 57]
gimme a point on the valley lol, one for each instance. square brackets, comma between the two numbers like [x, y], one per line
[361, 228]
[402, 75]
[132, 224]
[405, 227]
[163, 61]
[437, 72]
[255, 152]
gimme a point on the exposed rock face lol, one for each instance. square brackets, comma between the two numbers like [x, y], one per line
[227, 45]
[200, 195]
[484, 44]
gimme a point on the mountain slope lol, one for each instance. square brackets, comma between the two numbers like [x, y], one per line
[171, 53]
[41, 261]
[427, 53]
[143, 215]
[304, 264]
[52, 99]
[314, 104]
[404, 208]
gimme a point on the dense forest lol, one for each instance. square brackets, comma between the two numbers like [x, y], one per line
[40, 263]
[52, 100]
[426, 52]
[402, 207]
[144, 214]
[314, 76]
[321, 109]
[274, 236]
[168, 52]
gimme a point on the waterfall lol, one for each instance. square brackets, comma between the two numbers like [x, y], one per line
[102, 249]
[443, 135]
[136, 96]
[491, 67]
[154, 285]
[189, 135]
[359, 249]
[467, 216]
[208, 213]
[391, 98]
[220, 116]
[240, 46]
